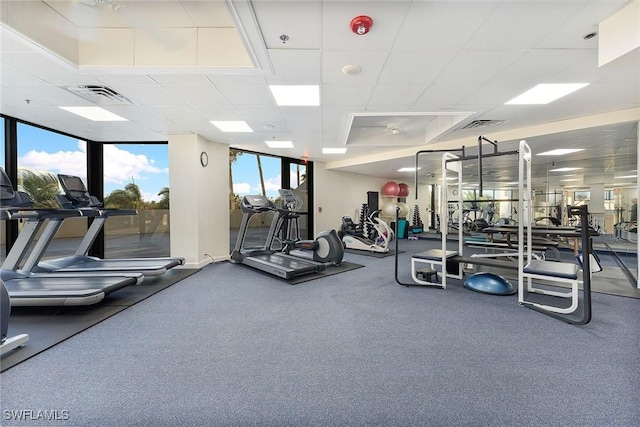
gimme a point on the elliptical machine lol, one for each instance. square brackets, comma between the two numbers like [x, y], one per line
[355, 237]
[327, 248]
[8, 344]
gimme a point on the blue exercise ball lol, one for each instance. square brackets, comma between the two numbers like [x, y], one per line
[489, 283]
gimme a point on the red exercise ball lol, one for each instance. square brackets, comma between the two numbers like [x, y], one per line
[404, 190]
[390, 189]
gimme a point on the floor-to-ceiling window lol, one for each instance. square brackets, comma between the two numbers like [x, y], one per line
[136, 177]
[299, 179]
[252, 173]
[42, 155]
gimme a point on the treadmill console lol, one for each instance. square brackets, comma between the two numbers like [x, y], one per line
[11, 198]
[76, 192]
[256, 203]
[5, 186]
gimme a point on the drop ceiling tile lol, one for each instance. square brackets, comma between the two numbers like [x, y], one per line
[571, 33]
[217, 112]
[414, 68]
[52, 71]
[396, 97]
[539, 66]
[226, 77]
[14, 96]
[249, 95]
[166, 47]
[124, 79]
[265, 113]
[151, 14]
[301, 126]
[370, 64]
[310, 114]
[300, 21]
[294, 67]
[106, 47]
[335, 113]
[492, 94]
[428, 25]
[444, 96]
[518, 25]
[346, 96]
[212, 14]
[149, 95]
[11, 41]
[622, 70]
[10, 76]
[477, 67]
[179, 79]
[222, 48]
[192, 94]
[141, 115]
[54, 95]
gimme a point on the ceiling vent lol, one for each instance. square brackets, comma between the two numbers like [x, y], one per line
[101, 95]
[482, 124]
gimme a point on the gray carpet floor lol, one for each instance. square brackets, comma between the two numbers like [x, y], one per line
[230, 347]
[48, 326]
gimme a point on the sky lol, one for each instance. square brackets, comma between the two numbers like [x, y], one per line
[246, 179]
[145, 164]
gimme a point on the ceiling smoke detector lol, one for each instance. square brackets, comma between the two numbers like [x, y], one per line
[361, 25]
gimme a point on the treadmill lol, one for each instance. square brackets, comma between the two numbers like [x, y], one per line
[77, 197]
[264, 258]
[31, 289]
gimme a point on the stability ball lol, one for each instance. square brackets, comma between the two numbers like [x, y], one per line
[489, 283]
[404, 209]
[389, 210]
[390, 189]
[404, 190]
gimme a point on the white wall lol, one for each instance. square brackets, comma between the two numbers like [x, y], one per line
[339, 194]
[199, 200]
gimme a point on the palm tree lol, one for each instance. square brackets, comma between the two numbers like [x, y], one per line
[264, 192]
[164, 198]
[42, 186]
[233, 156]
[119, 199]
[136, 195]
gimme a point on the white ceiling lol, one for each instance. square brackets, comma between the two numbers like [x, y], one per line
[428, 68]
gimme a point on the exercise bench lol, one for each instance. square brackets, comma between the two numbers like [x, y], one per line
[550, 271]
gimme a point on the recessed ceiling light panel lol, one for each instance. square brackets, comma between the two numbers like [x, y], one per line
[296, 95]
[96, 114]
[334, 150]
[232, 126]
[544, 93]
[564, 169]
[560, 151]
[279, 144]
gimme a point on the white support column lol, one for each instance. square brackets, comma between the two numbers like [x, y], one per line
[199, 200]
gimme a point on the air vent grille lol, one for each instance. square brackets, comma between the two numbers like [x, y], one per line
[482, 124]
[101, 95]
